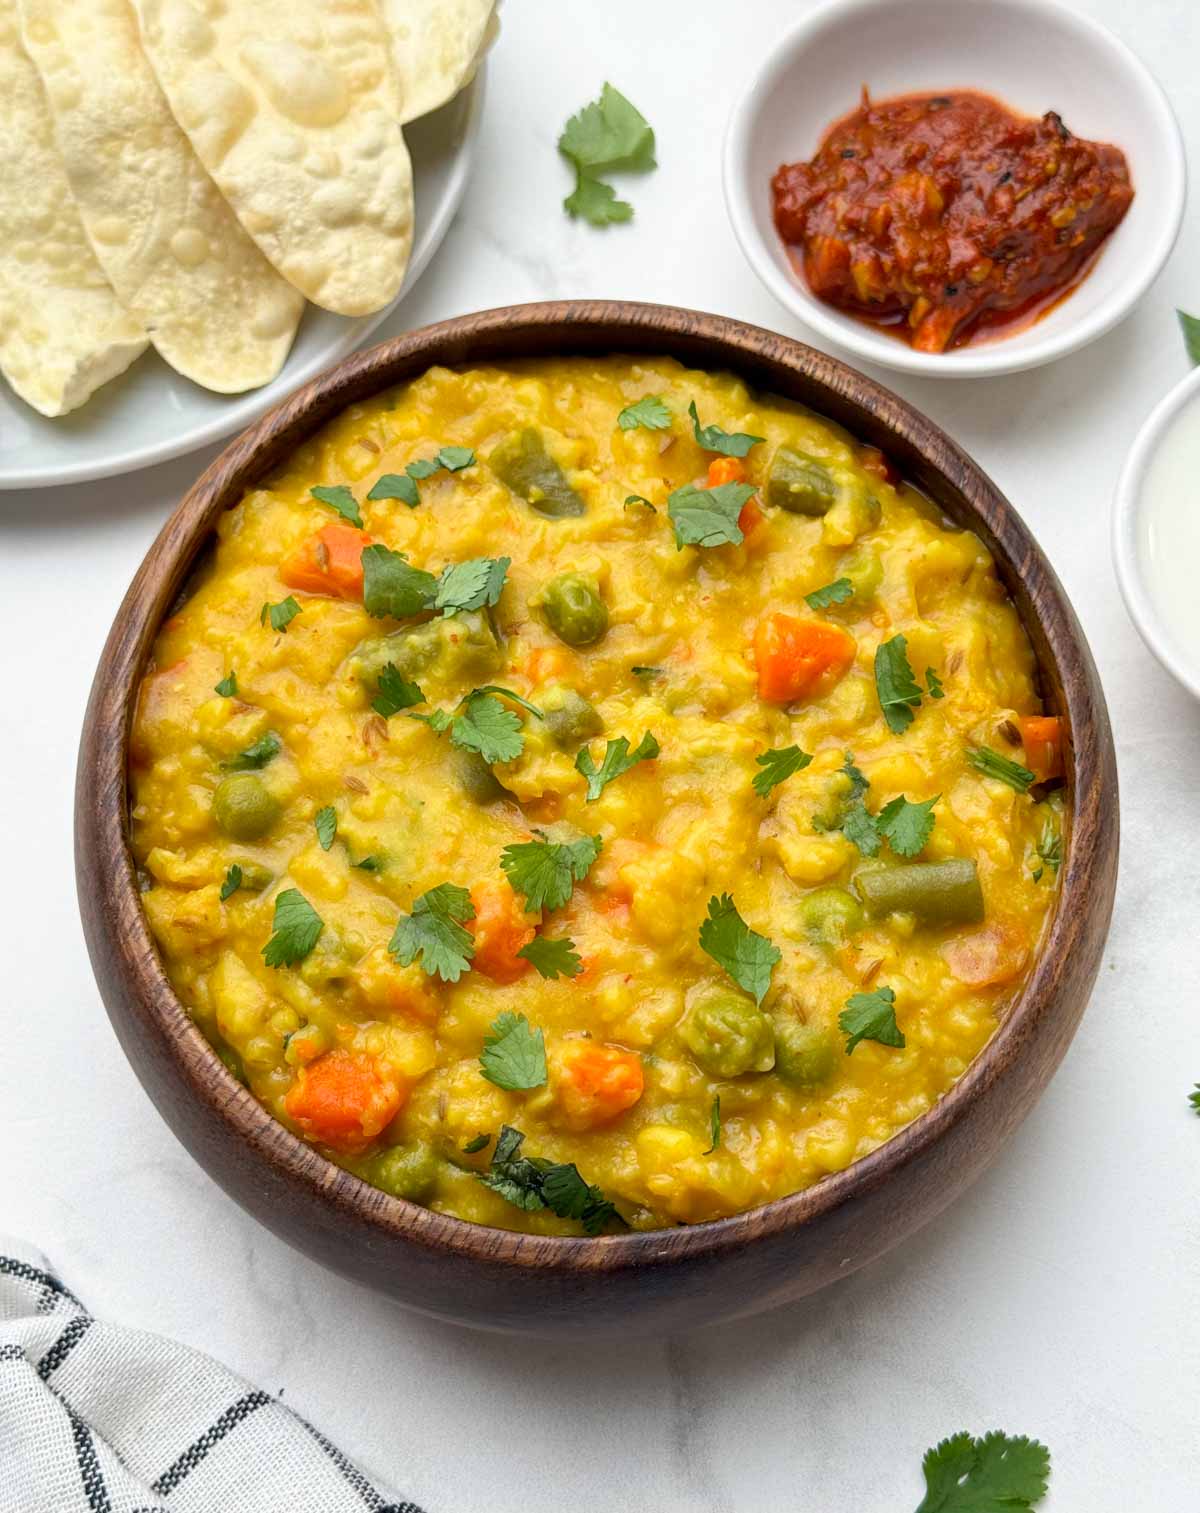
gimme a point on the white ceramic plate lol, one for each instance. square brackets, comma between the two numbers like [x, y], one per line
[150, 413]
[1035, 55]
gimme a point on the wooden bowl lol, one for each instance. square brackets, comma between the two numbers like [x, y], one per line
[668, 1279]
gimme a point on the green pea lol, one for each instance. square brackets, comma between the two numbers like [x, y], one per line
[522, 463]
[243, 807]
[570, 719]
[406, 1171]
[805, 1055]
[830, 915]
[799, 483]
[574, 609]
[728, 1034]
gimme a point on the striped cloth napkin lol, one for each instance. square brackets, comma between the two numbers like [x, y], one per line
[95, 1418]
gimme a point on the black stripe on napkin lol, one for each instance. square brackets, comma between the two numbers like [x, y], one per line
[62, 1347]
[89, 1466]
[355, 1477]
[11, 1353]
[53, 1288]
[196, 1451]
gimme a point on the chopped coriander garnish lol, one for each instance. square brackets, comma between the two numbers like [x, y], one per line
[454, 459]
[714, 439]
[545, 872]
[778, 765]
[858, 782]
[553, 957]
[396, 486]
[650, 412]
[514, 1054]
[906, 826]
[395, 693]
[999, 1471]
[1190, 326]
[640, 501]
[647, 672]
[477, 1143]
[859, 827]
[1002, 768]
[607, 136]
[338, 497]
[1050, 852]
[368, 864]
[227, 687]
[325, 821]
[434, 932]
[392, 587]
[264, 750]
[898, 692]
[487, 727]
[404, 485]
[295, 930]
[871, 1016]
[473, 584]
[617, 759]
[233, 881]
[836, 592]
[933, 684]
[1194, 1098]
[708, 517]
[531, 1183]
[714, 1125]
[280, 615]
[748, 957]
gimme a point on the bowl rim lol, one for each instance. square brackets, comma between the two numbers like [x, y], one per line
[109, 894]
[1128, 507]
[993, 358]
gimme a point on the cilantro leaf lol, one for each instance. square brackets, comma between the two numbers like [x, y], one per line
[708, 517]
[777, 765]
[295, 930]
[325, 821]
[473, 584]
[514, 1054]
[871, 1016]
[933, 684]
[392, 587]
[906, 826]
[531, 1184]
[714, 1126]
[487, 727]
[993, 765]
[553, 957]
[396, 486]
[609, 134]
[233, 881]
[714, 439]
[748, 957]
[836, 592]
[618, 759]
[476, 1143]
[570, 1197]
[996, 1474]
[395, 693]
[648, 672]
[546, 871]
[422, 468]
[368, 864]
[859, 827]
[404, 485]
[898, 692]
[434, 932]
[1194, 1098]
[596, 202]
[454, 459]
[858, 782]
[280, 615]
[227, 687]
[253, 758]
[650, 412]
[339, 498]
[1190, 326]
[641, 501]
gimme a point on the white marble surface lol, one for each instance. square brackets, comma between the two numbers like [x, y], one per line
[1061, 1298]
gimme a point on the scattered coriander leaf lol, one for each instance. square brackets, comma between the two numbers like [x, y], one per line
[748, 957]
[422, 468]
[233, 881]
[438, 720]
[514, 1054]
[617, 759]
[477, 1143]
[714, 439]
[1004, 770]
[487, 727]
[1190, 326]
[778, 765]
[395, 693]
[640, 501]
[396, 486]
[338, 497]
[392, 587]
[532, 1184]
[714, 1125]
[545, 872]
[871, 1016]
[227, 687]
[858, 782]
[570, 1197]
[898, 692]
[859, 827]
[454, 459]
[255, 757]
[553, 957]
[708, 517]
[994, 1474]
[473, 584]
[368, 864]
[906, 826]
[280, 615]
[434, 932]
[836, 592]
[295, 930]
[933, 684]
[507, 693]
[609, 134]
[647, 672]
[596, 202]
[650, 412]
[1194, 1098]
[325, 821]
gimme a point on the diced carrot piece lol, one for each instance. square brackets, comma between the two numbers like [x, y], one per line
[344, 1100]
[329, 563]
[593, 1083]
[725, 470]
[988, 957]
[794, 656]
[1041, 735]
[501, 928]
[751, 516]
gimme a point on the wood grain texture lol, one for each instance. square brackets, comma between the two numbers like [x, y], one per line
[636, 1283]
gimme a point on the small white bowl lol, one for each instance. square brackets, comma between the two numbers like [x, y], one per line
[1155, 515]
[1035, 56]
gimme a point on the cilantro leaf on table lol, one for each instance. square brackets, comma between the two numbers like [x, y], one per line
[514, 1054]
[280, 615]
[552, 956]
[1002, 768]
[708, 517]
[714, 439]
[906, 826]
[609, 135]
[714, 1126]
[871, 1016]
[547, 871]
[836, 592]
[325, 822]
[530, 1183]
[999, 1473]
[474, 584]
[338, 497]
[394, 693]
[392, 587]
[295, 930]
[228, 686]
[933, 684]
[618, 759]
[434, 932]
[596, 202]
[487, 727]
[255, 757]
[899, 694]
[396, 486]
[778, 765]
[1194, 1098]
[233, 881]
[650, 412]
[748, 957]
[1190, 326]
